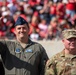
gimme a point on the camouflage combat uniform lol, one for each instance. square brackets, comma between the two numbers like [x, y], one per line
[23, 61]
[61, 64]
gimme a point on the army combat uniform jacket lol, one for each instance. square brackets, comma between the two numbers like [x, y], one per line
[23, 61]
[61, 64]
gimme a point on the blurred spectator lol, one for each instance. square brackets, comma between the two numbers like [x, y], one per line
[15, 16]
[52, 10]
[12, 6]
[43, 29]
[38, 5]
[60, 11]
[20, 9]
[72, 22]
[70, 8]
[27, 8]
[64, 25]
[29, 13]
[7, 25]
[44, 12]
[34, 23]
[1, 29]
[32, 4]
[53, 31]
[34, 35]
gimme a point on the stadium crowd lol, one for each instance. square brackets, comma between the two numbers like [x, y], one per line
[46, 18]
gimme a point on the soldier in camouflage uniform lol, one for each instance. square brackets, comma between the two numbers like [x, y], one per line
[64, 62]
[22, 56]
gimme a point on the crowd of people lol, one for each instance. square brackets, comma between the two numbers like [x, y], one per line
[46, 18]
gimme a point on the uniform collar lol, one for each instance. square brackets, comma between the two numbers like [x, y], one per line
[27, 44]
[62, 54]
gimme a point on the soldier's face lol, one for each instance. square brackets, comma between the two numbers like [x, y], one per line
[21, 31]
[70, 44]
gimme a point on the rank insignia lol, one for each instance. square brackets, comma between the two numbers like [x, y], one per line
[29, 50]
[17, 50]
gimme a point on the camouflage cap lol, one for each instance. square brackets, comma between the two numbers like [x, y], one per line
[69, 33]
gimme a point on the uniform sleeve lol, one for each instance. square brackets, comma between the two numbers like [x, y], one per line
[44, 58]
[1, 47]
[2, 71]
[5, 55]
[50, 68]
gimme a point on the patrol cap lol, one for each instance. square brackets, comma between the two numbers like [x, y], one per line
[21, 21]
[69, 33]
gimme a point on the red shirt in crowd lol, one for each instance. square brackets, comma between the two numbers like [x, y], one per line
[53, 10]
[70, 6]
